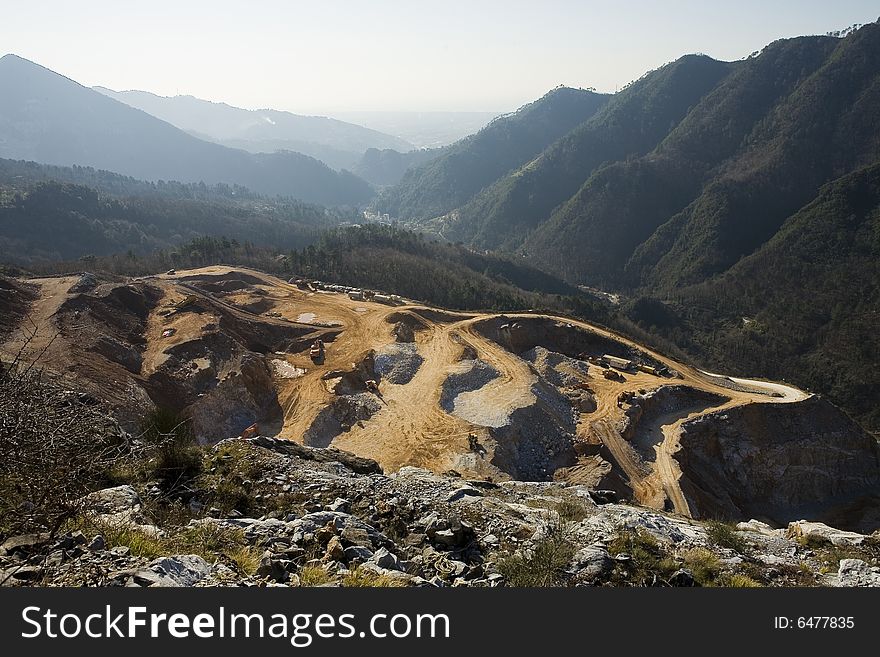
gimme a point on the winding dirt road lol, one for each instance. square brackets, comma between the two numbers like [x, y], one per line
[411, 428]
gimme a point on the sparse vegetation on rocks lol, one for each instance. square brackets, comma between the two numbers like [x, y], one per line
[316, 522]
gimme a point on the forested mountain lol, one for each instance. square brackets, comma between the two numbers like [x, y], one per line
[681, 174]
[48, 118]
[386, 167]
[805, 306]
[469, 165]
[20, 176]
[623, 211]
[389, 258]
[631, 124]
[378, 257]
[750, 155]
[56, 213]
[823, 129]
[336, 143]
[734, 204]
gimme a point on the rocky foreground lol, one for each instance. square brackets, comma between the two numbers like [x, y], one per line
[267, 512]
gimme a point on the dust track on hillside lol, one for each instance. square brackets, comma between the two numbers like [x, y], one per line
[410, 426]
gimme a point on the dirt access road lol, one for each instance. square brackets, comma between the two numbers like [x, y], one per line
[410, 427]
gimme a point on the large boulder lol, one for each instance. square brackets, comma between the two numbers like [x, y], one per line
[119, 506]
[180, 570]
[611, 519]
[590, 561]
[357, 464]
[855, 572]
[820, 532]
[24, 544]
[170, 571]
[758, 527]
[120, 500]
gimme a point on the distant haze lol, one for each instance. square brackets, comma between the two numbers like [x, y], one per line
[394, 55]
[421, 129]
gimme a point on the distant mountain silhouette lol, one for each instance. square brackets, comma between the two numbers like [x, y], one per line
[334, 142]
[423, 129]
[49, 118]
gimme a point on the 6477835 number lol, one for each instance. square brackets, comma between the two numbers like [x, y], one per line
[814, 622]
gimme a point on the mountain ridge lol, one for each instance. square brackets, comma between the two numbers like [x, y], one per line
[472, 163]
[49, 118]
[337, 143]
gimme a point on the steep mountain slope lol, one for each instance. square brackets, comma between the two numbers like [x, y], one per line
[631, 124]
[825, 128]
[334, 142]
[752, 153]
[387, 167]
[477, 161]
[49, 118]
[623, 204]
[806, 305]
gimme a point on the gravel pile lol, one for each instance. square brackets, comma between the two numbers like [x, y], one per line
[339, 417]
[557, 403]
[558, 369]
[398, 363]
[471, 375]
[285, 370]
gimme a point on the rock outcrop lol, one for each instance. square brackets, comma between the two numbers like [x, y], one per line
[780, 462]
[244, 395]
[855, 572]
[323, 517]
[119, 507]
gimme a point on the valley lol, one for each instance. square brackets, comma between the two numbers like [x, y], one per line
[605, 339]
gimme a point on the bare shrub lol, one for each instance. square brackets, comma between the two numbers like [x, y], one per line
[177, 458]
[56, 445]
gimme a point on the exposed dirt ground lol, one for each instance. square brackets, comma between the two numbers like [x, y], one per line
[198, 324]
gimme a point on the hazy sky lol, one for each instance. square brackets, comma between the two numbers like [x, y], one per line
[335, 55]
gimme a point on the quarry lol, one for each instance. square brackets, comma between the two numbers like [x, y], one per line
[487, 397]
